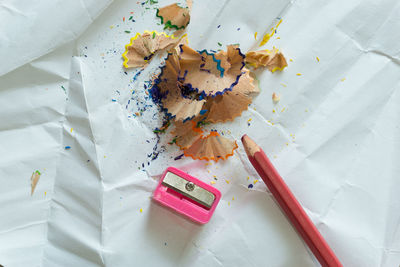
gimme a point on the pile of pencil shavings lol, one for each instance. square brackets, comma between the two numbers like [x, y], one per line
[195, 88]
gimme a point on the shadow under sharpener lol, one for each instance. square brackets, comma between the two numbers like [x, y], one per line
[187, 195]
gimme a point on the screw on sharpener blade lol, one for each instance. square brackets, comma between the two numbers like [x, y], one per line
[189, 186]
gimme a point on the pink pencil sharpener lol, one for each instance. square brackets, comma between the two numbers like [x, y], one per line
[187, 195]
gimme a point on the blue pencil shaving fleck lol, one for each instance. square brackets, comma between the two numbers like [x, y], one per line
[67, 147]
[179, 157]
[113, 100]
[203, 111]
[250, 186]
[137, 75]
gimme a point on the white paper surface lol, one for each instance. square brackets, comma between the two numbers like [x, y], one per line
[334, 137]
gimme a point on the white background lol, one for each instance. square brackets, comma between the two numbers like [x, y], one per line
[336, 142]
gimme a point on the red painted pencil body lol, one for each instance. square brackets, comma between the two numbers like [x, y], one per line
[289, 204]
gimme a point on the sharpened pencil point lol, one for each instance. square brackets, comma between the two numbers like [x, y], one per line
[249, 145]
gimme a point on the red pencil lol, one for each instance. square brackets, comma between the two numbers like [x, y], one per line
[289, 204]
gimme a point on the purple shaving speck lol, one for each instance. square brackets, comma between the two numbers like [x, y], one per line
[179, 157]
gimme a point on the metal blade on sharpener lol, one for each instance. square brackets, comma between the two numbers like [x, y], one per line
[189, 189]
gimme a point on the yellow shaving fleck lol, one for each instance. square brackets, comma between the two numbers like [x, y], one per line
[270, 34]
[277, 68]
[255, 35]
[317, 59]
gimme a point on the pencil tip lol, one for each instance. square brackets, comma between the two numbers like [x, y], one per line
[249, 145]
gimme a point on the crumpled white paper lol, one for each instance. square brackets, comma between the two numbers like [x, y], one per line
[334, 137]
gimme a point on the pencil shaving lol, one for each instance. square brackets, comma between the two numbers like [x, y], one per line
[230, 105]
[211, 147]
[34, 180]
[203, 72]
[186, 133]
[246, 84]
[195, 88]
[273, 60]
[177, 100]
[143, 46]
[182, 91]
[175, 17]
[275, 98]
[227, 107]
